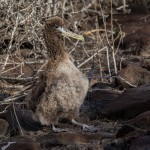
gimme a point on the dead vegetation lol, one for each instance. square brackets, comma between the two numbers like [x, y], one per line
[23, 53]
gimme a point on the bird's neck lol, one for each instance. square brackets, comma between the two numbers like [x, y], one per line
[55, 49]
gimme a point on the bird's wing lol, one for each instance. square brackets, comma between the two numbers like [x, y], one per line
[33, 97]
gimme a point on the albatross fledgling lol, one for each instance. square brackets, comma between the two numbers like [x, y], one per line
[66, 86]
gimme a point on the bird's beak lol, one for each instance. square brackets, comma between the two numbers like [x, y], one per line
[68, 33]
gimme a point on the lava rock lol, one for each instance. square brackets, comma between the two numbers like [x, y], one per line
[20, 143]
[141, 143]
[141, 121]
[132, 76]
[129, 104]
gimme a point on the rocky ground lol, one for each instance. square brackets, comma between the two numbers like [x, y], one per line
[117, 105]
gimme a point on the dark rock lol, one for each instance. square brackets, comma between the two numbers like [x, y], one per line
[129, 104]
[24, 117]
[132, 143]
[68, 138]
[141, 121]
[20, 143]
[98, 97]
[134, 134]
[119, 145]
[143, 62]
[123, 131]
[129, 133]
[129, 18]
[19, 146]
[136, 28]
[132, 76]
[141, 143]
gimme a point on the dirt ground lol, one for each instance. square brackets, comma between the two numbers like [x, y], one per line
[117, 104]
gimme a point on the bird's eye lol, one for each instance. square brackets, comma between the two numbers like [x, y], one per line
[56, 26]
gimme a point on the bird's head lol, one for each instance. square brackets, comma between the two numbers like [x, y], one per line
[53, 35]
[55, 25]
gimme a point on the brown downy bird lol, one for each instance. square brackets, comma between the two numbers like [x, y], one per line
[65, 85]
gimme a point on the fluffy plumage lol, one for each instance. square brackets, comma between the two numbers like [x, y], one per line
[65, 87]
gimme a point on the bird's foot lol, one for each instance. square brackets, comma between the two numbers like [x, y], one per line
[89, 128]
[58, 130]
[84, 126]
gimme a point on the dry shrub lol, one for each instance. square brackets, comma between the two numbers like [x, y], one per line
[21, 23]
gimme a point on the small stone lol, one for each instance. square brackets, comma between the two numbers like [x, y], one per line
[132, 76]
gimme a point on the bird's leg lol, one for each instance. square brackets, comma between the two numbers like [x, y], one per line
[84, 126]
[58, 129]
